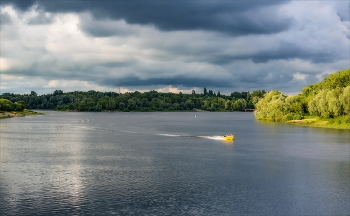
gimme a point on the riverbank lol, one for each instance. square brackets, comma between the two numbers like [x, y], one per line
[314, 121]
[10, 114]
[321, 122]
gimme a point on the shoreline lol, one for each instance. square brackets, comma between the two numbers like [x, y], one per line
[191, 110]
[321, 125]
[319, 122]
[313, 122]
[11, 114]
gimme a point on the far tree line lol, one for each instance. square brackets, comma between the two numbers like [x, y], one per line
[95, 101]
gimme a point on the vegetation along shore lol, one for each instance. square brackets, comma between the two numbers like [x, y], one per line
[324, 104]
[9, 109]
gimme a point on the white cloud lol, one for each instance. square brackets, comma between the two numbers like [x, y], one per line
[300, 76]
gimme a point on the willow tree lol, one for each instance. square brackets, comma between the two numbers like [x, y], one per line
[277, 107]
[327, 103]
[344, 99]
[270, 106]
[334, 105]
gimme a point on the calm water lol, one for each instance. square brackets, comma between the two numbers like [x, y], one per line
[69, 163]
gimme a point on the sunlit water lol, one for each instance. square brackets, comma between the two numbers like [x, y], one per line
[69, 163]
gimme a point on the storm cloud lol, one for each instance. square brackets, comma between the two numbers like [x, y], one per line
[236, 17]
[224, 45]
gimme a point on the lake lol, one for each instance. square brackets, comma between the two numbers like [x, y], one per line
[76, 163]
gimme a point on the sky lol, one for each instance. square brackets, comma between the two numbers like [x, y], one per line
[171, 46]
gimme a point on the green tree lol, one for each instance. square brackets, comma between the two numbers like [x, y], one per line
[176, 106]
[334, 105]
[6, 105]
[131, 104]
[121, 106]
[145, 102]
[111, 105]
[239, 104]
[344, 99]
[271, 106]
[189, 104]
[58, 92]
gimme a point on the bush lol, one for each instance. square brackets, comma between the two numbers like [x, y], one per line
[7, 105]
[289, 116]
[340, 120]
[297, 117]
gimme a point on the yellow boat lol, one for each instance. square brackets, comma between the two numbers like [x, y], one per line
[228, 137]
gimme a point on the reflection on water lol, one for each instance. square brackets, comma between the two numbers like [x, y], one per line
[34, 172]
[170, 164]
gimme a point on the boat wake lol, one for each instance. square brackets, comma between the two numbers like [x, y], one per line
[162, 134]
[128, 131]
[185, 135]
[212, 137]
[173, 135]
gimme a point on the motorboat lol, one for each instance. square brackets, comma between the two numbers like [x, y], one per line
[228, 137]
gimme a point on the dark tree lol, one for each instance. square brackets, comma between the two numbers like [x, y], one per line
[58, 92]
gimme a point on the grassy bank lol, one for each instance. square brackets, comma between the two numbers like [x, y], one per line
[342, 122]
[25, 112]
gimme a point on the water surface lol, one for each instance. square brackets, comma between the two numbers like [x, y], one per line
[70, 163]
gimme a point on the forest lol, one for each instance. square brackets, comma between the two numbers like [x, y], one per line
[95, 101]
[328, 99]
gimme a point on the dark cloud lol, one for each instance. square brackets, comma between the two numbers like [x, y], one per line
[231, 17]
[285, 51]
[98, 28]
[21, 4]
[40, 19]
[102, 31]
[5, 18]
[177, 81]
[343, 8]
[289, 51]
[117, 64]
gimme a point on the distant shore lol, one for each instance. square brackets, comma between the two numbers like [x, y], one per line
[10, 114]
[199, 110]
[192, 110]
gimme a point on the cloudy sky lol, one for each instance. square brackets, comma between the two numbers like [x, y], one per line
[171, 46]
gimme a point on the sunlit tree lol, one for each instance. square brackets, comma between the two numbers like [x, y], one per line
[344, 99]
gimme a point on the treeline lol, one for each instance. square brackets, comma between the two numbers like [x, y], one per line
[95, 101]
[329, 98]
